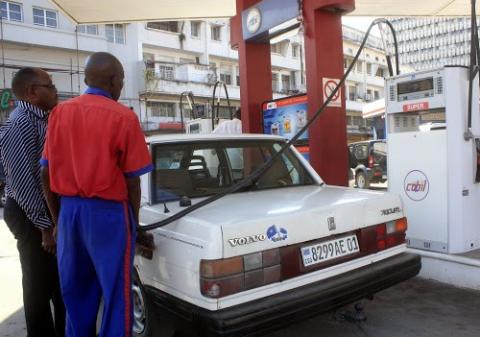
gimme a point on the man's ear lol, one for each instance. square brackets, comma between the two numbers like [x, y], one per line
[29, 91]
[113, 81]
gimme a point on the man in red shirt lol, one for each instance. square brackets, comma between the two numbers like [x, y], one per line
[93, 157]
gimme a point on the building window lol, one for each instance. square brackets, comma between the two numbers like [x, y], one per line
[376, 94]
[161, 109]
[352, 92]
[226, 78]
[184, 60]
[368, 96]
[11, 11]
[359, 67]
[88, 29]
[380, 72]
[293, 80]
[358, 121]
[166, 72]
[45, 17]
[115, 33]
[369, 69]
[276, 48]
[274, 82]
[195, 28]
[285, 83]
[295, 51]
[168, 26]
[216, 33]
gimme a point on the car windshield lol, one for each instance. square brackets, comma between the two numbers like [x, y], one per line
[199, 169]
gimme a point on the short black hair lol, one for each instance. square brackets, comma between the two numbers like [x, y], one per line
[22, 79]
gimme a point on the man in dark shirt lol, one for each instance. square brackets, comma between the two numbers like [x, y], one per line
[26, 214]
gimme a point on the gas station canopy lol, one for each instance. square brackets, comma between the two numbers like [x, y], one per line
[104, 11]
[109, 11]
[412, 8]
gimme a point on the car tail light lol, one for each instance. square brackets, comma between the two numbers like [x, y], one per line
[223, 277]
[371, 161]
[377, 238]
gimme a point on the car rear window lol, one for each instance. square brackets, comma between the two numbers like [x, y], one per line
[201, 169]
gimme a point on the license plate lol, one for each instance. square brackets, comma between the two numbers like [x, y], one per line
[329, 250]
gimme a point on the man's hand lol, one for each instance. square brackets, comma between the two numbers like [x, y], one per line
[145, 245]
[48, 241]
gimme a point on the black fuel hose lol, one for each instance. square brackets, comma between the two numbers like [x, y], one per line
[191, 98]
[261, 170]
[215, 116]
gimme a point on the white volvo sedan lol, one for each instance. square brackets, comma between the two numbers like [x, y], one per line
[283, 248]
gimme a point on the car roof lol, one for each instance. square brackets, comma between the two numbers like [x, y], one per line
[210, 137]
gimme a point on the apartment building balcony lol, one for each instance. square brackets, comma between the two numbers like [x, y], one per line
[359, 130]
[355, 105]
[376, 81]
[25, 33]
[169, 78]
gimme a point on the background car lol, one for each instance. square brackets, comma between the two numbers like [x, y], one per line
[368, 161]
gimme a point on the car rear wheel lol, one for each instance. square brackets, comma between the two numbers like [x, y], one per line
[361, 180]
[142, 311]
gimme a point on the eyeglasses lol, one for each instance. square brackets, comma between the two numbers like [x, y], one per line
[48, 86]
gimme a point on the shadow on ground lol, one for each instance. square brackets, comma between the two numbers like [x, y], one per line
[415, 308]
[14, 325]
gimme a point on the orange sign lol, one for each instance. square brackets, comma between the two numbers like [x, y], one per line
[415, 107]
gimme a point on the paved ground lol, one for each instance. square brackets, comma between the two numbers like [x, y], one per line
[12, 323]
[416, 308]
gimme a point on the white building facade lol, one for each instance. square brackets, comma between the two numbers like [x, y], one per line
[432, 42]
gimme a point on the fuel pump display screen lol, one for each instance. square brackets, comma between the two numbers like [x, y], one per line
[415, 89]
[415, 86]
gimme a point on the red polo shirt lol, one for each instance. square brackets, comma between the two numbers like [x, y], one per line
[92, 144]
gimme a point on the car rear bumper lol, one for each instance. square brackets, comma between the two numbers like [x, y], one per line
[376, 174]
[273, 312]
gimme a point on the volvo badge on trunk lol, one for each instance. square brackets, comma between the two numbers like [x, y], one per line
[331, 224]
[247, 240]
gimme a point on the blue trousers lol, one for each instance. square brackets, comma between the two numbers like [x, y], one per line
[95, 249]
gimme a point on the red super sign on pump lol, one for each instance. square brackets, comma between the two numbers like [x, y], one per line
[415, 107]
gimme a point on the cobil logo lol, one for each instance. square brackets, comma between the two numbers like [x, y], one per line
[416, 185]
[254, 20]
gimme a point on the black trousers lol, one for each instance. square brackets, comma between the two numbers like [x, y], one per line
[39, 276]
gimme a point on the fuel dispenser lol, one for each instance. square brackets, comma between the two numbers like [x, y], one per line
[432, 162]
[205, 124]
